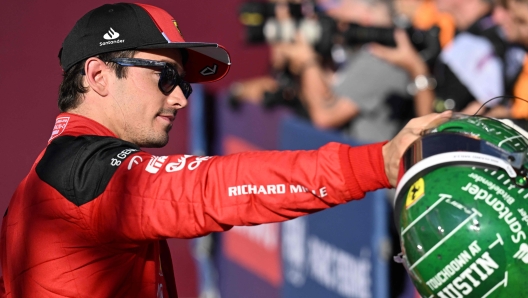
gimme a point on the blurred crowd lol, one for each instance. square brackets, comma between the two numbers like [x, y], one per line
[368, 66]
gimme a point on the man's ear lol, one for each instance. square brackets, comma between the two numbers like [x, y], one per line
[96, 73]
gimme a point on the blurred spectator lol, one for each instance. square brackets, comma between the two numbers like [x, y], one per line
[423, 15]
[358, 96]
[469, 70]
[519, 11]
[516, 65]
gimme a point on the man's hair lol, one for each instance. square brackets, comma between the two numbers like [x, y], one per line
[71, 89]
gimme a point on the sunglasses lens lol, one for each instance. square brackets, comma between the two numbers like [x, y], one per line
[168, 79]
[186, 88]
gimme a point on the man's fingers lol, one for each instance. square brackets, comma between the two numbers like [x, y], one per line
[300, 39]
[394, 149]
[381, 52]
[429, 121]
[401, 37]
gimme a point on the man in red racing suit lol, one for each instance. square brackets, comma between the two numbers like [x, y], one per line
[92, 217]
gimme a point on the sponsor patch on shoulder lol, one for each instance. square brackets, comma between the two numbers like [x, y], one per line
[60, 126]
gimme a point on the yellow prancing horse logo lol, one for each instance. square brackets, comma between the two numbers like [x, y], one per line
[416, 192]
[176, 25]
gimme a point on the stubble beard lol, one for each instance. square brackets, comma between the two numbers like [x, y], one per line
[150, 138]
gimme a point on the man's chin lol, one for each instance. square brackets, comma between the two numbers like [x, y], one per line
[155, 143]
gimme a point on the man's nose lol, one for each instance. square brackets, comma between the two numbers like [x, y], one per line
[177, 99]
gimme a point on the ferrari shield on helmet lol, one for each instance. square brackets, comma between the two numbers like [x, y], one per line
[461, 210]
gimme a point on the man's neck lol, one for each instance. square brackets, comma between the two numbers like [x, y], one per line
[468, 14]
[96, 114]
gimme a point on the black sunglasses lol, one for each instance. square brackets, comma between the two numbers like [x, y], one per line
[169, 77]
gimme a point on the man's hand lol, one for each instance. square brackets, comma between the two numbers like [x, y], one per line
[403, 55]
[393, 150]
[499, 111]
[252, 90]
[298, 55]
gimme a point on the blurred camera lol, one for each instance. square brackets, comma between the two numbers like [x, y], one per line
[262, 25]
[259, 18]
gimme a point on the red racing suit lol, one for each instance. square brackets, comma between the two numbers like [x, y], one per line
[91, 217]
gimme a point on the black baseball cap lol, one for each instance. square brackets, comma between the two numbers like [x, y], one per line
[134, 26]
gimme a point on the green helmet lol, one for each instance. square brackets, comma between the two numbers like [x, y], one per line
[461, 209]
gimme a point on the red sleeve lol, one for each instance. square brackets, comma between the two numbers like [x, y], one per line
[186, 196]
[367, 171]
[2, 287]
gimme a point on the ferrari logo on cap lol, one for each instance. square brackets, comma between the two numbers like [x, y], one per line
[178, 28]
[416, 192]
